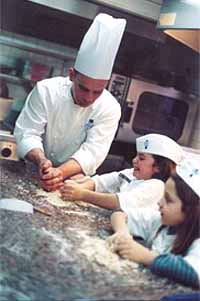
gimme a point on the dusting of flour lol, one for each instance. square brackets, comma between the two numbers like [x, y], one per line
[97, 250]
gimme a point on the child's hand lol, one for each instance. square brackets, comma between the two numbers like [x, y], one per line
[79, 178]
[134, 251]
[126, 248]
[115, 238]
[71, 190]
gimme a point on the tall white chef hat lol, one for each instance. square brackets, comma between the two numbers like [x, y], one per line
[161, 145]
[99, 47]
[189, 171]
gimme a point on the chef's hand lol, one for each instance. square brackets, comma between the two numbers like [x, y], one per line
[71, 190]
[44, 166]
[52, 179]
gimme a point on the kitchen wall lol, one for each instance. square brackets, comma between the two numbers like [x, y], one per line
[195, 139]
[26, 58]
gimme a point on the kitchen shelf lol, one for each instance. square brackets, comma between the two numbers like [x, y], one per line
[27, 60]
[38, 46]
[14, 79]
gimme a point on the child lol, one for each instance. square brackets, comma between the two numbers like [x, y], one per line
[171, 237]
[143, 185]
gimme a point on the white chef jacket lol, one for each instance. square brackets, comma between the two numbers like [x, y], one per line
[131, 192]
[145, 224]
[51, 121]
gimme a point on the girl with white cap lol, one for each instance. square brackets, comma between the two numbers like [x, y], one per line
[171, 237]
[140, 186]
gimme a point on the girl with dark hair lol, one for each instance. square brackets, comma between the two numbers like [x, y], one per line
[142, 185]
[171, 237]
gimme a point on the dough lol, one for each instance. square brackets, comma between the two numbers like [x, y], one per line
[54, 198]
[97, 250]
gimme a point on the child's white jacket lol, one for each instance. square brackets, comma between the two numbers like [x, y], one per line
[131, 192]
[146, 223]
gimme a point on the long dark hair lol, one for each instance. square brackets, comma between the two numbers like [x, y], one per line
[166, 167]
[189, 230]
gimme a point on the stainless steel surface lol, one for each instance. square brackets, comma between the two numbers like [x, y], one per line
[138, 87]
[77, 7]
[144, 27]
[144, 8]
[148, 9]
[37, 46]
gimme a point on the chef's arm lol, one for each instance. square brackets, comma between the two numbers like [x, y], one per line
[70, 168]
[37, 156]
[54, 178]
[86, 183]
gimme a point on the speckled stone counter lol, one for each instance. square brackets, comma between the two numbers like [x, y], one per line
[43, 257]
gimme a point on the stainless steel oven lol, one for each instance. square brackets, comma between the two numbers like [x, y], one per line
[150, 108]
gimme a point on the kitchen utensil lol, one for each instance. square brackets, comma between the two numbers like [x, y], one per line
[16, 205]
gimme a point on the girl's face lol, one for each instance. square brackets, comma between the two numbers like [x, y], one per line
[144, 166]
[171, 206]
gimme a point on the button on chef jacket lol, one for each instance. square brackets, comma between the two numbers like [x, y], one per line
[51, 121]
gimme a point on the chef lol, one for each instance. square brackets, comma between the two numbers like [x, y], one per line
[67, 124]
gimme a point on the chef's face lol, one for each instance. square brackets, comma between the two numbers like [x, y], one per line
[171, 206]
[85, 90]
[144, 166]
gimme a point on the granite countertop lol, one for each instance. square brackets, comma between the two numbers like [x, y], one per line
[62, 255]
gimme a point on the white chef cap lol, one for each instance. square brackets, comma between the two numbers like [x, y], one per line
[99, 47]
[161, 145]
[189, 171]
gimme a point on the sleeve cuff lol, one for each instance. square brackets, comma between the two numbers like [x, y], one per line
[88, 165]
[27, 145]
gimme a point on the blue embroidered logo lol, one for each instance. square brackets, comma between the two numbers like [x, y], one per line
[89, 124]
[146, 143]
[194, 172]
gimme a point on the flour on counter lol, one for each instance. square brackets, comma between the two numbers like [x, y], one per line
[97, 250]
